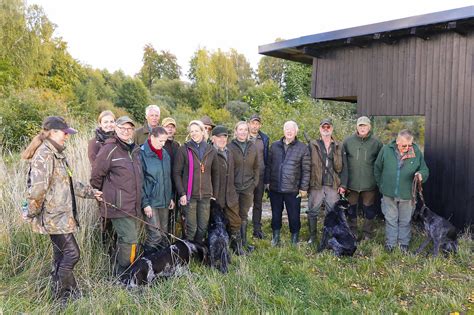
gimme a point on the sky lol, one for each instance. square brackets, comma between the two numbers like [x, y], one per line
[112, 34]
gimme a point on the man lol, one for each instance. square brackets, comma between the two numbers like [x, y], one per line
[287, 177]
[227, 196]
[171, 146]
[362, 149]
[117, 171]
[152, 115]
[261, 141]
[397, 164]
[208, 125]
[328, 174]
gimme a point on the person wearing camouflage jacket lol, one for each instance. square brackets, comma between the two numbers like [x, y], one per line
[51, 201]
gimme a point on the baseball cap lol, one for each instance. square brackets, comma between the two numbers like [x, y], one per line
[57, 122]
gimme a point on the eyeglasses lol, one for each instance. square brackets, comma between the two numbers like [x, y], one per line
[405, 145]
[124, 129]
[326, 127]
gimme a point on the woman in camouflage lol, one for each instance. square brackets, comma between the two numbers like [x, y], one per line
[51, 201]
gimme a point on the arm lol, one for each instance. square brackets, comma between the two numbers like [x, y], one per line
[344, 172]
[145, 199]
[305, 169]
[256, 167]
[92, 150]
[41, 171]
[215, 176]
[178, 168]
[378, 166]
[268, 167]
[100, 167]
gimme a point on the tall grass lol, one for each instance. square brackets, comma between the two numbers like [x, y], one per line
[274, 280]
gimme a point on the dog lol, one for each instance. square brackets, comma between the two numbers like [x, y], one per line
[337, 235]
[165, 263]
[438, 230]
[218, 239]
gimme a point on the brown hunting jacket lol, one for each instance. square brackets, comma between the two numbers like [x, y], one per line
[247, 166]
[227, 196]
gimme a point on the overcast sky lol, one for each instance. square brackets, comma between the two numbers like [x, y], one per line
[112, 34]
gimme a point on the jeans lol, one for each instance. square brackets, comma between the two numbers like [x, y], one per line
[197, 218]
[293, 208]
[397, 220]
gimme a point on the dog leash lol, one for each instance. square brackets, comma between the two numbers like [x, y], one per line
[141, 220]
[417, 190]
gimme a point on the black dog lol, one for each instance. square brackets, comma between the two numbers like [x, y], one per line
[439, 230]
[337, 235]
[218, 239]
[164, 263]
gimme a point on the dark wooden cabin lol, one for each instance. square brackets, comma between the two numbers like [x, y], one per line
[421, 65]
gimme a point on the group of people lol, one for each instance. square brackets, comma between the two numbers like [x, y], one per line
[143, 174]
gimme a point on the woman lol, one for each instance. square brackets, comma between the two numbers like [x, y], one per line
[397, 165]
[197, 180]
[104, 131]
[247, 173]
[51, 201]
[157, 195]
[117, 171]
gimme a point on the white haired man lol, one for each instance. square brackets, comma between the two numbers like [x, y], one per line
[152, 115]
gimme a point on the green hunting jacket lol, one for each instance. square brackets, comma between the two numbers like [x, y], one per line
[51, 199]
[395, 180]
[361, 155]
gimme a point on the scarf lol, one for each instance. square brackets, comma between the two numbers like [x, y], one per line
[101, 135]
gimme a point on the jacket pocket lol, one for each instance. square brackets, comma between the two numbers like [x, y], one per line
[118, 198]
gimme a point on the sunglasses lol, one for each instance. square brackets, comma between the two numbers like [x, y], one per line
[326, 127]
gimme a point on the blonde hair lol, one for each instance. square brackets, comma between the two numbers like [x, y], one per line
[237, 126]
[200, 125]
[105, 113]
[34, 144]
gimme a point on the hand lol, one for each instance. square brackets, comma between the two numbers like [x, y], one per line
[341, 190]
[148, 211]
[183, 200]
[303, 194]
[171, 206]
[98, 195]
[419, 177]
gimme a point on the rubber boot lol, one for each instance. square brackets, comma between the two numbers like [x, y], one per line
[243, 233]
[295, 238]
[126, 254]
[353, 226]
[368, 229]
[276, 238]
[313, 226]
[67, 287]
[236, 244]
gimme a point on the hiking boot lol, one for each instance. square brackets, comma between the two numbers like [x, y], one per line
[236, 244]
[389, 248]
[276, 238]
[404, 249]
[295, 238]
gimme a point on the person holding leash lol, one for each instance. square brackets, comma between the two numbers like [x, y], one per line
[51, 201]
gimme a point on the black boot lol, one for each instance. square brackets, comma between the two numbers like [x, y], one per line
[313, 228]
[295, 238]
[236, 244]
[243, 234]
[276, 238]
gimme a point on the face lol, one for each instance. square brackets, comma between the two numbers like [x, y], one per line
[325, 130]
[290, 133]
[242, 132]
[208, 128]
[153, 118]
[363, 130]
[59, 136]
[171, 130]
[196, 133]
[158, 142]
[404, 144]
[254, 126]
[124, 132]
[107, 123]
[220, 141]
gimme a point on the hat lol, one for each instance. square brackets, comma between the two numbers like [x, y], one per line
[206, 120]
[123, 120]
[255, 117]
[220, 130]
[168, 120]
[56, 122]
[326, 121]
[363, 120]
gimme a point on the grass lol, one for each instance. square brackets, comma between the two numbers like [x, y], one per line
[271, 280]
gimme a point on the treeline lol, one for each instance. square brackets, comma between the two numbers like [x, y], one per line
[38, 77]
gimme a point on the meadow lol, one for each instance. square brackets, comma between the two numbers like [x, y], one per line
[270, 280]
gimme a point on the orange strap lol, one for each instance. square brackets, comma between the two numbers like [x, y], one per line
[133, 253]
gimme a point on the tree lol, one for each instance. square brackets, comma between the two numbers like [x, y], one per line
[157, 66]
[270, 68]
[244, 71]
[133, 96]
[297, 81]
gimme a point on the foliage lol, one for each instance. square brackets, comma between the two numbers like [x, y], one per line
[296, 81]
[156, 66]
[387, 127]
[133, 97]
[271, 69]
[240, 110]
[174, 92]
